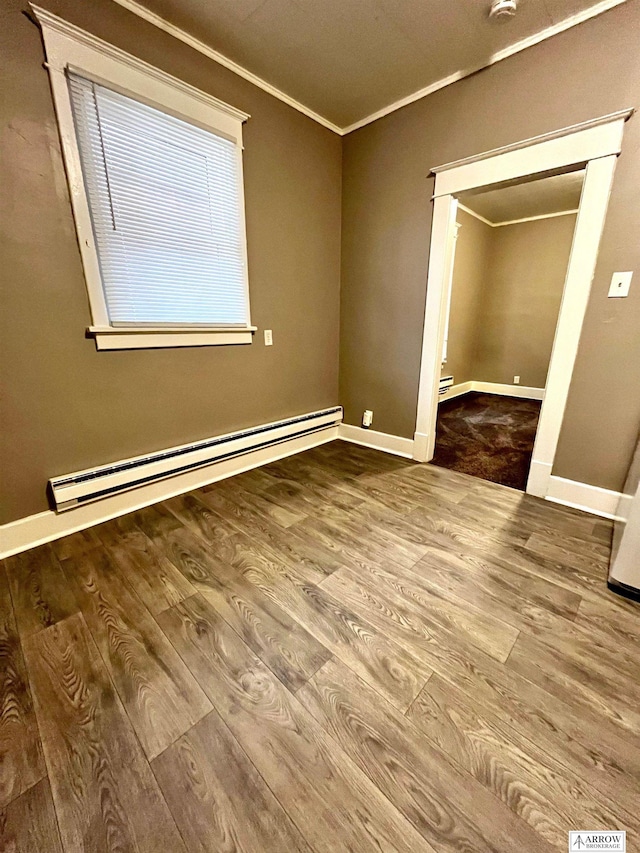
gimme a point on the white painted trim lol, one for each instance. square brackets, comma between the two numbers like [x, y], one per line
[625, 566]
[69, 48]
[456, 391]
[395, 444]
[536, 218]
[582, 263]
[143, 330]
[572, 146]
[598, 146]
[412, 98]
[449, 284]
[517, 47]
[420, 446]
[443, 222]
[183, 36]
[626, 504]
[538, 480]
[475, 215]
[69, 37]
[515, 221]
[46, 526]
[535, 140]
[524, 392]
[114, 338]
[593, 499]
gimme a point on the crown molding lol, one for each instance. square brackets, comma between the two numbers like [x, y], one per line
[523, 44]
[51, 22]
[476, 215]
[515, 221]
[536, 218]
[183, 36]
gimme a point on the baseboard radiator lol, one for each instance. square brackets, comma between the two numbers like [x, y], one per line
[446, 384]
[83, 487]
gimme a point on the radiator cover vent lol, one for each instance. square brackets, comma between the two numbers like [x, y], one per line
[446, 382]
[84, 486]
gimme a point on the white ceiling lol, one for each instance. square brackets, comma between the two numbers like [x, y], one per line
[347, 59]
[534, 198]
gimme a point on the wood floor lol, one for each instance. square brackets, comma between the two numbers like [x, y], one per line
[342, 651]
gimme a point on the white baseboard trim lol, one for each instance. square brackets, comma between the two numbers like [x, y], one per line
[538, 479]
[377, 440]
[624, 508]
[524, 392]
[593, 499]
[420, 446]
[25, 533]
[456, 391]
[46, 526]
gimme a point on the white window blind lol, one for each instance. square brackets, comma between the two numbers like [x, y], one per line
[165, 198]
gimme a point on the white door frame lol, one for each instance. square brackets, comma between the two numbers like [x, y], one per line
[594, 144]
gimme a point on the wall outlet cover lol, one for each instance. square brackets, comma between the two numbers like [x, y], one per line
[268, 338]
[620, 284]
[516, 380]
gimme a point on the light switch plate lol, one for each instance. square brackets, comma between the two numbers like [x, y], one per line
[620, 283]
[268, 338]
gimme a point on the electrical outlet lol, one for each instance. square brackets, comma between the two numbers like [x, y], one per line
[268, 338]
[620, 284]
[367, 418]
[516, 380]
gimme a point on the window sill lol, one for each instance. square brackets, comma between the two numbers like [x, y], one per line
[109, 338]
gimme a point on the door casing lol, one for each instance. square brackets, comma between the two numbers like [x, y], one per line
[594, 145]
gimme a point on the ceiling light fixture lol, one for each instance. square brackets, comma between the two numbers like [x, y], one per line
[503, 10]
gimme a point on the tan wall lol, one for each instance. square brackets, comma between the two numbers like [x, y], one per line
[469, 270]
[506, 293]
[68, 407]
[590, 70]
[520, 301]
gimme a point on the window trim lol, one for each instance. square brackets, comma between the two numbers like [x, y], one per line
[69, 48]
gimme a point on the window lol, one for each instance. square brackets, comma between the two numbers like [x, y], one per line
[165, 207]
[155, 173]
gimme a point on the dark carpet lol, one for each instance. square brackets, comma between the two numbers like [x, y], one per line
[487, 436]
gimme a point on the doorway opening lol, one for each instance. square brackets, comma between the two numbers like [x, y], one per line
[593, 146]
[504, 289]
